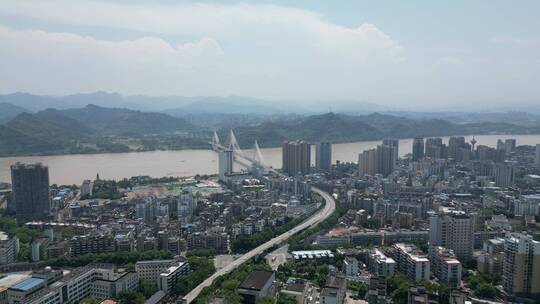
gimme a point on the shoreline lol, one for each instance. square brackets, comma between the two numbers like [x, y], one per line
[262, 147]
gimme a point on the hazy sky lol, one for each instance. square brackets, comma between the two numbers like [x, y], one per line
[407, 54]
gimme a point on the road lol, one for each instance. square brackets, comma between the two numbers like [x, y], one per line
[320, 216]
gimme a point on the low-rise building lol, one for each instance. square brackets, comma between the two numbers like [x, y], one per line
[170, 276]
[445, 266]
[257, 285]
[380, 264]
[412, 262]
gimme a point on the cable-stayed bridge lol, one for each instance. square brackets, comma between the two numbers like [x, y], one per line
[255, 160]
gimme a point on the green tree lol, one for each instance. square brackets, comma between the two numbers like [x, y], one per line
[130, 297]
[266, 300]
[485, 290]
[89, 300]
[147, 288]
[285, 299]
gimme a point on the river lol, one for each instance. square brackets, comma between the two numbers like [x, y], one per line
[73, 169]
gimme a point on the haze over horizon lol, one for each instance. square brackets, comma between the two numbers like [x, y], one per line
[415, 55]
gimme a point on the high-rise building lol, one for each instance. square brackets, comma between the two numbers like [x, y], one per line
[394, 143]
[504, 174]
[418, 149]
[323, 157]
[538, 153]
[87, 188]
[385, 159]
[510, 145]
[367, 162]
[377, 161]
[30, 191]
[454, 146]
[434, 147]
[521, 269]
[500, 145]
[296, 157]
[454, 230]
[225, 161]
[186, 205]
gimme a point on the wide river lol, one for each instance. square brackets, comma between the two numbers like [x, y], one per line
[73, 169]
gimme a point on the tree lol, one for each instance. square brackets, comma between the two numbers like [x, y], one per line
[89, 300]
[130, 297]
[266, 300]
[147, 288]
[285, 299]
[485, 290]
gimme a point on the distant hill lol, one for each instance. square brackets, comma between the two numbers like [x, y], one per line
[346, 128]
[47, 126]
[14, 142]
[124, 121]
[8, 111]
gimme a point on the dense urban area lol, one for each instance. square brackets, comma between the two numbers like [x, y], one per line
[451, 222]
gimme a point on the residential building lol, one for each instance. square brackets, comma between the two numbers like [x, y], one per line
[226, 162]
[491, 259]
[30, 191]
[296, 157]
[171, 275]
[394, 143]
[380, 264]
[92, 243]
[87, 188]
[445, 266]
[351, 266]
[521, 270]
[510, 145]
[412, 262]
[208, 240]
[323, 156]
[9, 249]
[418, 149]
[434, 148]
[504, 174]
[367, 162]
[454, 230]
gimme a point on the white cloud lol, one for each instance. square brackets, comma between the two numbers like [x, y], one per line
[265, 51]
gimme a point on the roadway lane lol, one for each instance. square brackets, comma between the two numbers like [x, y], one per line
[318, 217]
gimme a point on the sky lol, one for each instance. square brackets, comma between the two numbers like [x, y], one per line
[421, 55]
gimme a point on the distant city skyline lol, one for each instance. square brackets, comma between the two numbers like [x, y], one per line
[415, 55]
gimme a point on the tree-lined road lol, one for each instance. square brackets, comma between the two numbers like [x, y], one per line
[318, 217]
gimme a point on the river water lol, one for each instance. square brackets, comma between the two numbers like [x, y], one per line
[73, 169]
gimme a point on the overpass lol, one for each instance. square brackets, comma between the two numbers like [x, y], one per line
[318, 217]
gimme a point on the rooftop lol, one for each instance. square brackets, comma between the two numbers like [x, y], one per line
[28, 284]
[257, 280]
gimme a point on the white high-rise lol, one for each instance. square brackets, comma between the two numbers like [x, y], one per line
[225, 164]
[453, 230]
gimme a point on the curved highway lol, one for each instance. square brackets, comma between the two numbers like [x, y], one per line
[318, 217]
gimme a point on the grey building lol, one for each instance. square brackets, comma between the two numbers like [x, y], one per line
[394, 143]
[418, 149]
[30, 191]
[296, 157]
[323, 157]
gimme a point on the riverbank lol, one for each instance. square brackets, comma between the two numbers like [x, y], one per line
[74, 168]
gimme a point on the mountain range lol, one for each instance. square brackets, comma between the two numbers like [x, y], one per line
[93, 129]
